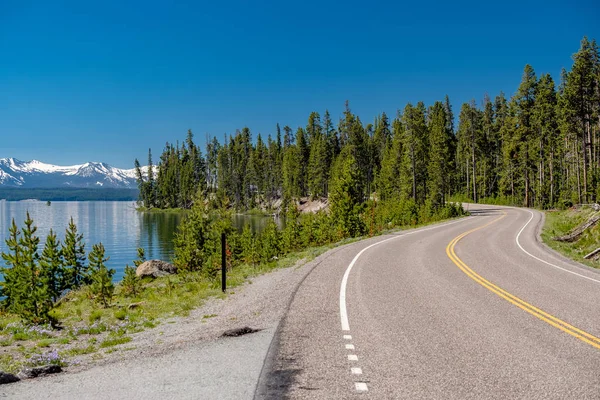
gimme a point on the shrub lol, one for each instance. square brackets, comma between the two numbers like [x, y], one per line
[101, 286]
[131, 283]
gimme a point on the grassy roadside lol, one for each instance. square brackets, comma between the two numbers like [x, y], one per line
[559, 223]
[88, 332]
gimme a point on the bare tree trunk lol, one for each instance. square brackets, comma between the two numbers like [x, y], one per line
[526, 175]
[512, 183]
[551, 178]
[414, 172]
[576, 150]
[468, 174]
[474, 177]
[585, 159]
[541, 168]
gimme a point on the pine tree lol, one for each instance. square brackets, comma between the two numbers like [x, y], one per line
[291, 171]
[270, 242]
[346, 194]
[131, 282]
[437, 167]
[141, 257]
[13, 288]
[414, 169]
[39, 303]
[101, 277]
[381, 141]
[389, 182]
[470, 145]
[333, 142]
[150, 185]
[318, 166]
[52, 267]
[581, 104]
[73, 251]
[302, 154]
[25, 286]
[546, 136]
[190, 239]
[291, 233]
[249, 246]
[141, 183]
[524, 102]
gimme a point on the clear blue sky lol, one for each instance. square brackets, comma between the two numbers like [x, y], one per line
[103, 82]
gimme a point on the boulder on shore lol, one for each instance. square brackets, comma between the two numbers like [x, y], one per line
[155, 269]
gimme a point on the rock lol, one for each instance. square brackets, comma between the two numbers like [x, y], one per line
[155, 269]
[5, 377]
[596, 207]
[240, 331]
[29, 373]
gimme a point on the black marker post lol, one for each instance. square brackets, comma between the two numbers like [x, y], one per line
[223, 264]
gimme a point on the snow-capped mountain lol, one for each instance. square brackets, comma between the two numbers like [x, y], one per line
[36, 174]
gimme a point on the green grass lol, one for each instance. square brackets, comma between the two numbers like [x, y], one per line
[110, 342]
[559, 223]
[51, 342]
[22, 336]
[78, 351]
[9, 364]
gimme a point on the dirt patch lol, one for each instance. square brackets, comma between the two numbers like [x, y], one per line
[307, 205]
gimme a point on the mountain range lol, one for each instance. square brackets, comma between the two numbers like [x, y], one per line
[35, 174]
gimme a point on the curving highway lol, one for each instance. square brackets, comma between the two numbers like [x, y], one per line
[474, 308]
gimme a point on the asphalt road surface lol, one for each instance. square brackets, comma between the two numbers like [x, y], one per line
[475, 308]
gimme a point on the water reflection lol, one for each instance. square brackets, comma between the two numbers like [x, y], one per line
[158, 230]
[117, 224]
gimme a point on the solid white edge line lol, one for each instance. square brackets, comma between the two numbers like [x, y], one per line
[543, 261]
[343, 309]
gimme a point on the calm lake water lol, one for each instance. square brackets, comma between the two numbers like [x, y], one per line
[116, 224]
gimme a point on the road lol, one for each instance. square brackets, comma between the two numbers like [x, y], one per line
[475, 308]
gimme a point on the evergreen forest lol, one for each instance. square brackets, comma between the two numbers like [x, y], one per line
[538, 148]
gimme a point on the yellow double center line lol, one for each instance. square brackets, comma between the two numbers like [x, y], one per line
[536, 312]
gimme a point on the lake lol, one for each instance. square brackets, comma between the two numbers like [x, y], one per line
[116, 224]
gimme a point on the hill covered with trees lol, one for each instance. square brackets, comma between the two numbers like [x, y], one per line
[539, 148]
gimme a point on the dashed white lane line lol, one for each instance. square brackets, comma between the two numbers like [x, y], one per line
[361, 386]
[546, 262]
[343, 309]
